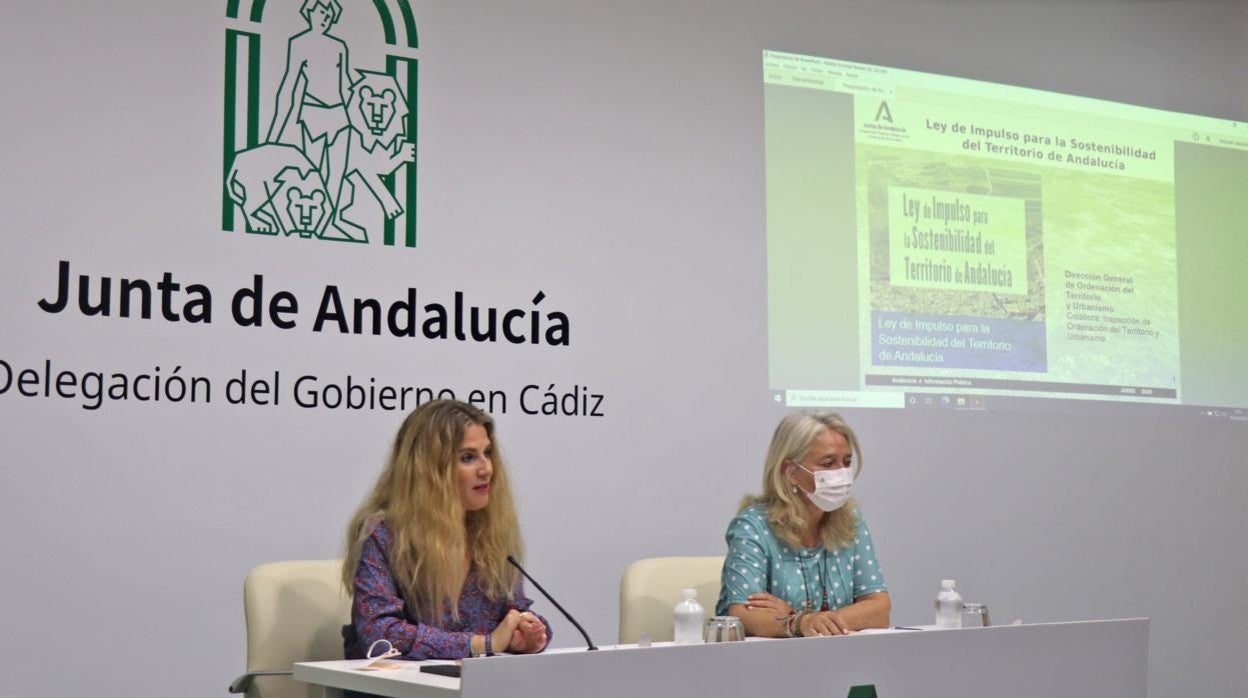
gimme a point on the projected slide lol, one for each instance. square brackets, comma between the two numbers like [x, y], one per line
[930, 235]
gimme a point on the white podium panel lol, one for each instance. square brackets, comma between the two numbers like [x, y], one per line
[1107, 659]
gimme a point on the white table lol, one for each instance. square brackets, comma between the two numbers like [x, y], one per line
[1107, 659]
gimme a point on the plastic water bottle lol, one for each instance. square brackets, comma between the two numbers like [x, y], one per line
[948, 605]
[687, 619]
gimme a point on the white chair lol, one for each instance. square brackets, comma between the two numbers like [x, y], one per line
[651, 588]
[295, 611]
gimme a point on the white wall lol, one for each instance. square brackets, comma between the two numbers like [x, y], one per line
[610, 155]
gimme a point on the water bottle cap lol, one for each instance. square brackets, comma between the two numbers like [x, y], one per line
[947, 584]
[689, 593]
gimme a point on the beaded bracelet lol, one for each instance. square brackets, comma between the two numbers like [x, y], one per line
[793, 626]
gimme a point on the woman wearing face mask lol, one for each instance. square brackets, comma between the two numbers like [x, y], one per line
[801, 561]
[427, 552]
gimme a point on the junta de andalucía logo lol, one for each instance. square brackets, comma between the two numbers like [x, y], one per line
[321, 146]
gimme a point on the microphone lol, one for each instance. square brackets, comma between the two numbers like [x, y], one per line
[588, 642]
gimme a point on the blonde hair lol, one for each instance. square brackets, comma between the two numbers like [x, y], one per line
[418, 498]
[785, 505]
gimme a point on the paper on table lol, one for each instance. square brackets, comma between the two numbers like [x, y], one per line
[391, 664]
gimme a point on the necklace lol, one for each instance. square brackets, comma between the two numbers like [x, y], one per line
[802, 557]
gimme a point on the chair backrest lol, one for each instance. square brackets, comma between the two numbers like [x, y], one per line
[651, 588]
[295, 611]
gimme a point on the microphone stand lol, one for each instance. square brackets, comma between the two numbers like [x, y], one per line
[588, 642]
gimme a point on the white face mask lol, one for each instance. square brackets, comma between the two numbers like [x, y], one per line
[831, 487]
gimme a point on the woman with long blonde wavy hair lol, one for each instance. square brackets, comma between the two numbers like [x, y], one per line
[426, 559]
[801, 561]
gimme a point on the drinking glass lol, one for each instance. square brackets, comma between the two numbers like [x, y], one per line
[975, 615]
[723, 629]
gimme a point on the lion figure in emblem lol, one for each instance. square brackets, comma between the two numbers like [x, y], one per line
[377, 113]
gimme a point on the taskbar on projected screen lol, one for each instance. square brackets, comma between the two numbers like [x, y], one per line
[1052, 388]
[943, 393]
[1087, 405]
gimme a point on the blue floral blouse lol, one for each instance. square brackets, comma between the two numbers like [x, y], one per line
[379, 612]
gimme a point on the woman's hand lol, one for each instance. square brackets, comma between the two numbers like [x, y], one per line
[502, 637]
[766, 602]
[823, 623]
[529, 635]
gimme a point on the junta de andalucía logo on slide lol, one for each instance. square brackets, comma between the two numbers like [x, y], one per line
[323, 148]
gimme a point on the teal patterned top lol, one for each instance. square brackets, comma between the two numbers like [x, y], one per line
[759, 561]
